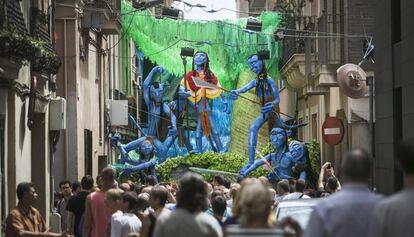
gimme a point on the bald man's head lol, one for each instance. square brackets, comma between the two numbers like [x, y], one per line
[356, 166]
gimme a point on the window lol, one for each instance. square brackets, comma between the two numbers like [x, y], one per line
[396, 21]
[87, 141]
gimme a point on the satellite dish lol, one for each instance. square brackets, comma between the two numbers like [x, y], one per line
[351, 79]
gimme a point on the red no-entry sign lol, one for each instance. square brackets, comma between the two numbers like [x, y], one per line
[332, 131]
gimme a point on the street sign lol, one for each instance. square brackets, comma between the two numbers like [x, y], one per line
[332, 131]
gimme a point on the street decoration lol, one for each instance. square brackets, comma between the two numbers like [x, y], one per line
[226, 42]
[268, 93]
[222, 47]
[151, 152]
[200, 99]
[280, 162]
[153, 92]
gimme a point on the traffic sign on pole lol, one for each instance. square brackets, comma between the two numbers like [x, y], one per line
[332, 131]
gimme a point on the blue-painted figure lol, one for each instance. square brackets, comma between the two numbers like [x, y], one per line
[281, 161]
[151, 152]
[297, 150]
[268, 93]
[200, 99]
[153, 94]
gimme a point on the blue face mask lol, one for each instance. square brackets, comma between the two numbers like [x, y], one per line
[157, 93]
[146, 148]
[200, 58]
[296, 149]
[277, 137]
[255, 64]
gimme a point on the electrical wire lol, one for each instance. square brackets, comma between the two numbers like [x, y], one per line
[235, 26]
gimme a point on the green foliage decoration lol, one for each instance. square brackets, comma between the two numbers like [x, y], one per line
[228, 162]
[226, 42]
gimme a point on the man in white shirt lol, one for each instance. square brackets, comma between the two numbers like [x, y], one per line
[298, 194]
[128, 222]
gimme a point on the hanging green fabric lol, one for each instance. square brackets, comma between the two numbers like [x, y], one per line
[226, 42]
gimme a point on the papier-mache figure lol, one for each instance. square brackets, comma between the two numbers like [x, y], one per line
[281, 161]
[201, 100]
[153, 97]
[151, 152]
[268, 93]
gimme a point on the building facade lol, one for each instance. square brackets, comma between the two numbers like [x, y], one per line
[310, 61]
[27, 80]
[394, 44]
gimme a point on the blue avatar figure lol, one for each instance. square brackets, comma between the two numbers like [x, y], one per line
[297, 150]
[151, 152]
[268, 93]
[153, 97]
[200, 99]
[281, 161]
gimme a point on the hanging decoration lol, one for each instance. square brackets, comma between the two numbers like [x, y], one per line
[226, 42]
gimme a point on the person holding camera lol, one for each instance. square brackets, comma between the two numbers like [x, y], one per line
[327, 182]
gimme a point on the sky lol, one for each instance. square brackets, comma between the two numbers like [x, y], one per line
[198, 14]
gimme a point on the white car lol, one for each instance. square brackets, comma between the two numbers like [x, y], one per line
[298, 209]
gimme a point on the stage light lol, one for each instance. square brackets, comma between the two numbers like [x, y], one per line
[141, 5]
[254, 25]
[263, 54]
[187, 52]
[170, 12]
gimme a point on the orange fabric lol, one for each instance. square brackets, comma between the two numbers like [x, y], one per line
[20, 220]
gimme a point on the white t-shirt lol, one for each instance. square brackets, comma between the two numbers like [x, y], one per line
[122, 225]
[295, 195]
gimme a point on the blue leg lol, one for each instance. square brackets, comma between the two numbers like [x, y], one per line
[215, 136]
[252, 140]
[199, 136]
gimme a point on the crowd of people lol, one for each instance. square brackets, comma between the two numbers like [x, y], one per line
[194, 207]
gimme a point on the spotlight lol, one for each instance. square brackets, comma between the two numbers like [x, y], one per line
[141, 5]
[187, 52]
[263, 54]
[170, 12]
[254, 25]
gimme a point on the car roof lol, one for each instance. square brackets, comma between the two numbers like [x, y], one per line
[298, 202]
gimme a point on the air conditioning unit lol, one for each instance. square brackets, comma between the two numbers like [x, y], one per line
[118, 112]
[57, 114]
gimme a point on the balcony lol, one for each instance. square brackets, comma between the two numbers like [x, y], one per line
[310, 54]
[102, 15]
[298, 54]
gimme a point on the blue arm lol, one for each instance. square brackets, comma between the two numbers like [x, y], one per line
[127, 148]
[147, 83]
[168, 111]
[247, 87]
[255, 165]
[252, 167]
[145, 165]
[161, 150]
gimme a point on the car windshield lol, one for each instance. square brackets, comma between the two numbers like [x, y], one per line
[299, 213]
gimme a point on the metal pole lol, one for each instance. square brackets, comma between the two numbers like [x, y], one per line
[370, 83]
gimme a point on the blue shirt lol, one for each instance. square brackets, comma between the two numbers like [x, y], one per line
[345, 213]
